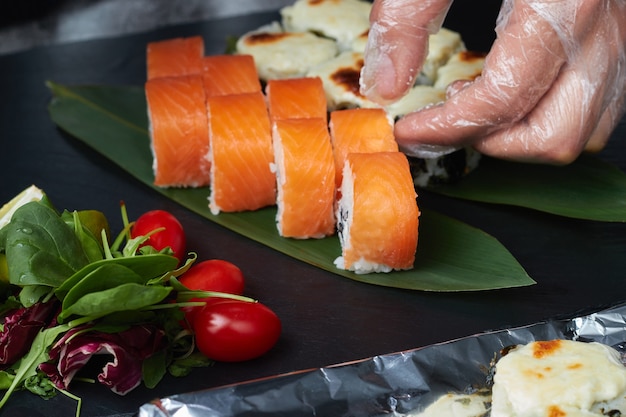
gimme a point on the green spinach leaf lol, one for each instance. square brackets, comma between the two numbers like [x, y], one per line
[147, 266]
[91, 244]
[43, 250]
[124, 297]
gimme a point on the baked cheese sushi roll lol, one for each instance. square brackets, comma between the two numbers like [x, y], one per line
[340, 76]
[465, 65]
[178, 131]
[418, 97]
[448, 168]
[341, 20]
[559, 378]
[442, 45]
[305, 177]
[377, 214]
[175, 57]
[360, 42]
[230, 74]
[296, 98]
[240, 153]
[279, 54]
[359, 130]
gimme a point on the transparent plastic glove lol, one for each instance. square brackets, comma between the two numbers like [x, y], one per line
[397, 45]
[553, 83]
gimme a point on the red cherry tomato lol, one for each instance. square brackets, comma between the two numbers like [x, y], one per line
[214, 275]
[234, 331]
[211, 275]
[173, 236]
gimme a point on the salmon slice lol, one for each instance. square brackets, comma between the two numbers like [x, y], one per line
[179, 131]
[241, 153]
[359, 130]
[377, 215]
[175, 57]
[295, 98]
[230, 74]
[305, 176]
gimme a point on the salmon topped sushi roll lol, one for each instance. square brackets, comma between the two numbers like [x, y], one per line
[179, 132]
[305, 176]
[230, 74]
[175, 57]
[296, 98]
[377, 215]
[359, 130]
[240, 153]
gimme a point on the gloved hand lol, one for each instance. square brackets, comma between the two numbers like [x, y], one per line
[552, 86]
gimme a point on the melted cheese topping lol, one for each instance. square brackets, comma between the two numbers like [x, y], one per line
[340, 76]
[441, 46]
[559, 378]
[342, 20]
[463, 65]
[418, 97]
[280, 54]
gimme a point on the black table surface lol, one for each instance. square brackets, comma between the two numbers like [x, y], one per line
[578, 265]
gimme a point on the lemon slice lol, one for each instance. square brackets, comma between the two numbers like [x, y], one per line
[31, 193]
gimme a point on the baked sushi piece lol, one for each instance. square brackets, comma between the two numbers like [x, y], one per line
[240, 153]
[442, 45]
[340, 76]
[359, 130]
[230, 74]
[418, 97]
[445, 168]
[377, 214]
[296, 98]
[559, 378]
[305, 177]
[179, 134]
[464, 65]
[341, 20]
[279, 54]
[174, 57]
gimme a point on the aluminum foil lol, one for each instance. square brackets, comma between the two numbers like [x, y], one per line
[388, 385]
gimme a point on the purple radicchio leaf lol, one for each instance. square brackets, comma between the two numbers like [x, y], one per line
[20, 328]
[128, 350]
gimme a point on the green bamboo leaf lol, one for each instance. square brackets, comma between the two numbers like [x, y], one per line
[588, 188]
[451, 254]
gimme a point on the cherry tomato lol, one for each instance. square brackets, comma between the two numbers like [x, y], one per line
[211, 275]
[214, 275]
[234, 331]
[173, 236]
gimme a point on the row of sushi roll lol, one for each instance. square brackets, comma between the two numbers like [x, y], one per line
[213, 123]
[327, 39]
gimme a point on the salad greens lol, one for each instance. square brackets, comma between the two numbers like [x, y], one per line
[73, 294]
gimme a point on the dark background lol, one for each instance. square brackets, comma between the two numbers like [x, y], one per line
[578, 265]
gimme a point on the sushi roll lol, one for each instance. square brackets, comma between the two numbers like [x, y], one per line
[417, 98]
[359, 130]
[230, 74]
[279, 54]
[442, 45]
[174, 57]
[342, 20]
[448, 168]
[305, 177]
[377, 214]
[179, 134]
[240, 153]
[296, 98]
[464, 65]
